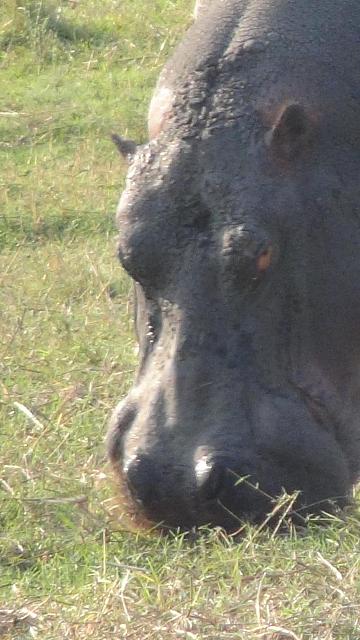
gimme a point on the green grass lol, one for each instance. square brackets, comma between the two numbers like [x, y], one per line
[71, 73]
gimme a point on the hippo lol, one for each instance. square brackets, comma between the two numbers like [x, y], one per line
[240, 227]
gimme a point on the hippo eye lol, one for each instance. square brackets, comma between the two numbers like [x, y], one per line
[248, 254]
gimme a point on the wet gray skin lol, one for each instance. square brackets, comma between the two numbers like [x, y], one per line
[240, 225]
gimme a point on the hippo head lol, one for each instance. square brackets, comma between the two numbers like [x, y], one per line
[242, 240]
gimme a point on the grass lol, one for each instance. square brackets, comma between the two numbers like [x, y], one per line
[70, 73]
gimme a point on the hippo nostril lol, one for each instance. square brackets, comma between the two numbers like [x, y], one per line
[141, 478]
[120, 423]
[209, 478]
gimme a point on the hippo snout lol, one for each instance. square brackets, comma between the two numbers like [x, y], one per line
[151, 483]
[187, 495]
[184, 484]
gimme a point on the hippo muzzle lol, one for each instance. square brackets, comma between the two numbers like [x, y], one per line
[183, 482]
[195, 444]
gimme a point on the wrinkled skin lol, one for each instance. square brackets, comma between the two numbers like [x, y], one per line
[240, 224]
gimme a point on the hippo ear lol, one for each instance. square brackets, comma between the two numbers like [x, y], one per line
[292, 131]
[127, 148]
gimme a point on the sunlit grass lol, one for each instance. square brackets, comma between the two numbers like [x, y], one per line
[61, 99]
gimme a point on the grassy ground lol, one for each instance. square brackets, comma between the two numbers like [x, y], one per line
[70, 73]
